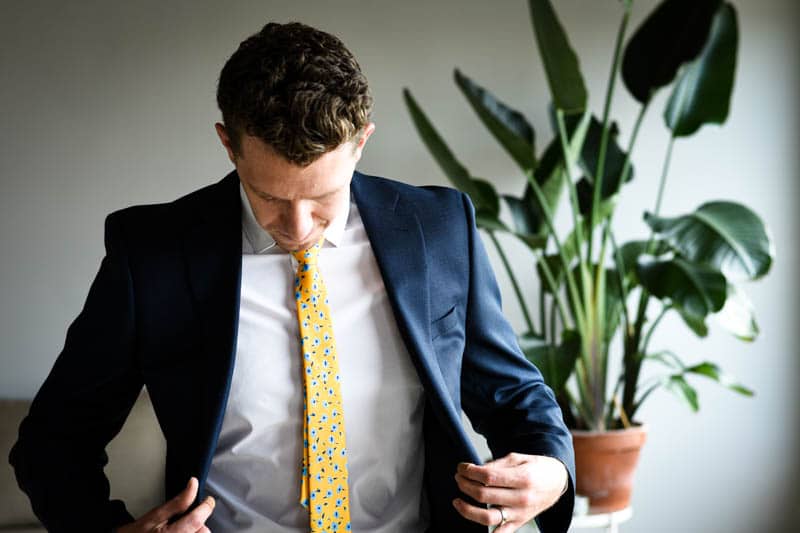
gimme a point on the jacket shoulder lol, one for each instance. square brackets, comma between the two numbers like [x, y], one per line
[423, 197]
[151, 223]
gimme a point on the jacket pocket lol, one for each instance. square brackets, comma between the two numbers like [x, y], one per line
[444, 323]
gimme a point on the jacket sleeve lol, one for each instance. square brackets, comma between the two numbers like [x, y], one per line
[503, 394]
[60, 452]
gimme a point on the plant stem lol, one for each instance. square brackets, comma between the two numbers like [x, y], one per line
[608, 234]
[621, 275]
[663, 182]
[622, 416]
[553, 286]
[514, 283]
[585, 415]
[599, 284]
[573, 197]
[601, 160]
[652, 328]
[548, 218]
[626, 168]
[542, 314]
[633, 357]
[587, 411]
[642, 398]
[589, 349]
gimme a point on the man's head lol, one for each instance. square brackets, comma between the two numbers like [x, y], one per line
[296, 115]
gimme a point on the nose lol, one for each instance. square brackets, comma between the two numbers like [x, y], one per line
[298, 221]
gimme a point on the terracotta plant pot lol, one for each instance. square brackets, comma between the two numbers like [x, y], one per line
[604, 465]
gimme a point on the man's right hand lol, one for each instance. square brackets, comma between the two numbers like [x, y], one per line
[155, 521]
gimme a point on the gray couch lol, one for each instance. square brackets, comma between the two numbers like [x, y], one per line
[135, 466]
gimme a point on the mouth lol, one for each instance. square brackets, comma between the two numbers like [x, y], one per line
[295, 245]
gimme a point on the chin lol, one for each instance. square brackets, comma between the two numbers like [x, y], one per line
[294, 246]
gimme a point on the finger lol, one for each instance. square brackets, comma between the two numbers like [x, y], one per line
[204, 529]
[508, 527]
[511, 459]
[176, 505]
[513, 521]
[195, 520]
[494, 495]
[481, 515]
[493, 475]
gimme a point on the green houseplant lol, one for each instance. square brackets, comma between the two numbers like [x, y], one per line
[596, 292]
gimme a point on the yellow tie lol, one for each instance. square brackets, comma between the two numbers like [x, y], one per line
[324, 488]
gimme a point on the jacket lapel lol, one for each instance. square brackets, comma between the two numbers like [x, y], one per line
[213, 249]
[398, 243]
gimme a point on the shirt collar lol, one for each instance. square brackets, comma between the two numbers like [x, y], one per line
[262, 242]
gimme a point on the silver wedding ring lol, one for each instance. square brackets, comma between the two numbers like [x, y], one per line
[502, 516]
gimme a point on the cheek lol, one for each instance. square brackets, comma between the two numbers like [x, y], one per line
[267, 218]
[326, 214]
[338, 206]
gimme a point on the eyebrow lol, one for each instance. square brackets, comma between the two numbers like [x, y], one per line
[265, 195]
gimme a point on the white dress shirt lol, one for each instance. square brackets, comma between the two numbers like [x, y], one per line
[255, 471]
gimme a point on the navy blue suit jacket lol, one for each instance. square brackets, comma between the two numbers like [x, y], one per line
[163, 312]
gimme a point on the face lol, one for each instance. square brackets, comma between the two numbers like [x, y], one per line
[295, 204]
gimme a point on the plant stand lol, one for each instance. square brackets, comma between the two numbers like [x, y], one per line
[608, 521]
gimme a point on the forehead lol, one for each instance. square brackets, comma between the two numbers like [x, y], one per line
[269, 173]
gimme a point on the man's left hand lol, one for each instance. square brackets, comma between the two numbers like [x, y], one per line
[522, 485]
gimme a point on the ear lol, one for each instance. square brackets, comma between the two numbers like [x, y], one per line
[359, 148]
[226, 141]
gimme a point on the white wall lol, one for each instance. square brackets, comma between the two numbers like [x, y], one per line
[108, 104]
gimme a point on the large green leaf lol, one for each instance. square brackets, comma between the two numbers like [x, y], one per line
[589, 160]
[696, 323]
[556, 269]
[550, 163]
[673, 34]
[555, 362]
[527, 223]
[481, 192]
[680, 387]
[677, 383]
[737, 315]
[703, 91]
[727, 235]
[508, 126]
[525, 212]
[550, 177]
[695, 290]
[560, 62]
[714, 372]
[488, 199]
[585, 192]
[630, 252]
[453, 169]
[527, 215]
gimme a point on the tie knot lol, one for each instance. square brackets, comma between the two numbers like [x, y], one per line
[309, 255]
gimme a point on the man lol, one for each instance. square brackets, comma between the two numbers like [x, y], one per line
[308, 336]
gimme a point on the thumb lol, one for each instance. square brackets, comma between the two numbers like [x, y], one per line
[511, 459]
[176, 505]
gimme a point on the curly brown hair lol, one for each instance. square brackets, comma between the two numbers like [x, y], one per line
[297, 88]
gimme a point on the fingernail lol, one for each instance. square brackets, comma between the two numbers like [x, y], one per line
[210, 501]
[456, 502]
